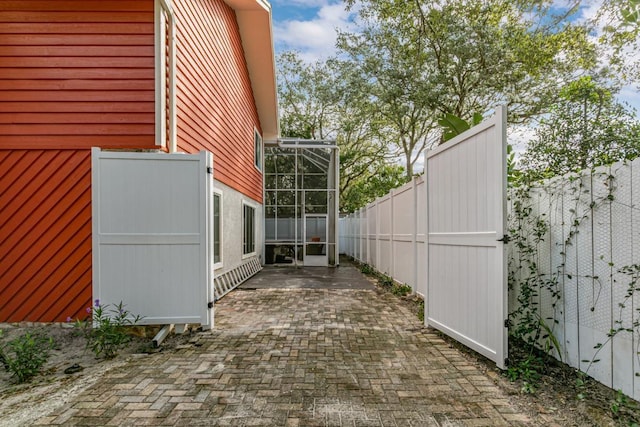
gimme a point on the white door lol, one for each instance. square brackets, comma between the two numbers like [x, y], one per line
[152, 235]
[315, 241]
[466, 261]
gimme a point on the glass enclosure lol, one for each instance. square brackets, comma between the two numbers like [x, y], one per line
[301, 202]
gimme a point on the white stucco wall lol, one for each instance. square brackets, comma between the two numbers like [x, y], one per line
[232, 202]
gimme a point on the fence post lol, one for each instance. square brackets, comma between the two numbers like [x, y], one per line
[392, 232]
[414, 234]
[377, 231]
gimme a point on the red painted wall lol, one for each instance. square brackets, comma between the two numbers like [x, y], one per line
[73, 74]
[45, 234]
[80, 73]
[76, 74]
[216, 108]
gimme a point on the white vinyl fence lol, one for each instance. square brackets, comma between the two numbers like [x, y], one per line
[575, 243]
[152, 235]
[577, 247]
[389, 235]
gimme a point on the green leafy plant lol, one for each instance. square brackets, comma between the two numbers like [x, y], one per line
[367, 269]
[528, 370]
[106, 328]
[581, 385]
[401, 290]
[453, 125]
[386, 281]
[25, 355]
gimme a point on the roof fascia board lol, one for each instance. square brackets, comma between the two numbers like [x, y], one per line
[254, 22]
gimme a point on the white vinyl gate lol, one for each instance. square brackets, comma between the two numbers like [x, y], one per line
[152, 241]
[466, 261]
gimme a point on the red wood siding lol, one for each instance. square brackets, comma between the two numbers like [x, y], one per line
[216, 108]
[45, 234]
[77, 74]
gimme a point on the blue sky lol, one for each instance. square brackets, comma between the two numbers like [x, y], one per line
[309, 27]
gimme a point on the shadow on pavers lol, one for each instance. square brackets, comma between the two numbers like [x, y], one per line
[346, 276]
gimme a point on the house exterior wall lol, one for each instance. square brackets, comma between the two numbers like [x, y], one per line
[81, 74]
[73, 74]
[76, 74]
[232, 202]
[216, 107]
[45, 234]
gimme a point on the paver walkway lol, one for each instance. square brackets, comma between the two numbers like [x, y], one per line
[299, 357]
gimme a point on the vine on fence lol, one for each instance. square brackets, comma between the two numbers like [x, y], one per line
[529, 284]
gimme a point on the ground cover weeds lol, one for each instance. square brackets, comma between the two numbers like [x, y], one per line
[25, 355]
[106, 328]
[388, 284]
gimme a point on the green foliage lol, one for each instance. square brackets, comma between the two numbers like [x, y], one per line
[458, 57]
[367, 269]
[366, 188]
[386, 281]
[106, 329]
[25, 355]
[528, 370]
[631, 12]
[454, 126]
[327, 100]
[528, 232]
[587, 128]
[401, 290]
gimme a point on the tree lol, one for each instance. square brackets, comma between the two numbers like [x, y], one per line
[368, 187]
[617, 24]
[462, 57]
[586, 128]
[325, 101]
[391, 66]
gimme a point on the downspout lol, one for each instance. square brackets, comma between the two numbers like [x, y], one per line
[171, 65]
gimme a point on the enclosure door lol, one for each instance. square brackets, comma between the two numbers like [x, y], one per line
[466, 214]
[315, 241]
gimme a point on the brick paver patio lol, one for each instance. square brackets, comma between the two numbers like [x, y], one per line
[299, 357]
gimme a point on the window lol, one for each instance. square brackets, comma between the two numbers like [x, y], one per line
[257, 144]
[249, 230]
[217, 228]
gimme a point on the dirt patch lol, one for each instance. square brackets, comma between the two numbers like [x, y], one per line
[53, 387]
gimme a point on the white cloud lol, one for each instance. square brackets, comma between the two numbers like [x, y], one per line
[315, 38]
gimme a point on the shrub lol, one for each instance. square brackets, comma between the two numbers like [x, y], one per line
[25, 355]
[401, 290]
[386, 281]
[106, 328]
